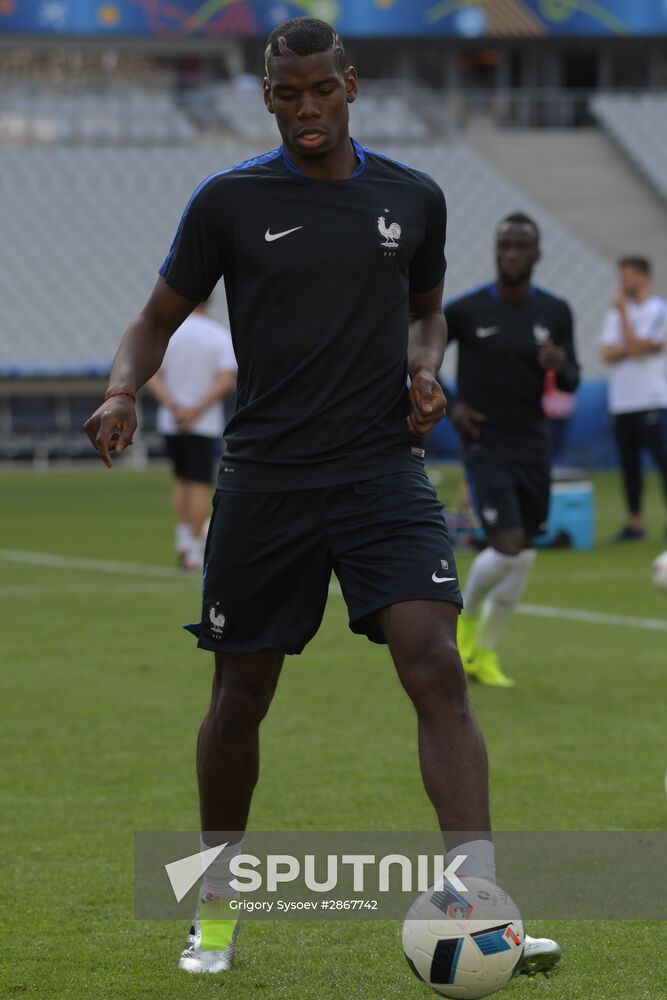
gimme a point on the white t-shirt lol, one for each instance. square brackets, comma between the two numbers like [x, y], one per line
[198, 351]
[638, 383]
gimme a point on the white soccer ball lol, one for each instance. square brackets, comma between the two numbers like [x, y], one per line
[464, 945]
[659, 571]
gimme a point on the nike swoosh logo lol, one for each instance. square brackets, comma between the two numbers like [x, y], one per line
[486, 331]
[443, 579]
[270, 237]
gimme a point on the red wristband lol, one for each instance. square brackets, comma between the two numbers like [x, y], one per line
[130, 394]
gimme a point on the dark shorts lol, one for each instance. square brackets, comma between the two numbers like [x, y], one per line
[193, 456]
[269, 559]
[507, 493]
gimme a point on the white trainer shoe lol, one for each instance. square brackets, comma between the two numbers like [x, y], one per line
[195, 959]
[539, 955]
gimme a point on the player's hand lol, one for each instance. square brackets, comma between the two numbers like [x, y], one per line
[467, 421]
[185, 416]
[111, 427]
[618, 302]
[428, 403]
[551, 357]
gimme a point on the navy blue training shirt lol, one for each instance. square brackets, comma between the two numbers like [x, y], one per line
[317, 275]
[498, 370]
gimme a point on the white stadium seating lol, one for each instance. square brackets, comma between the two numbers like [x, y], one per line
[85, 230]
[638, 122]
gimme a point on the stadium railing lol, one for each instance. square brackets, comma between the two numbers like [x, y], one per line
[41, 421]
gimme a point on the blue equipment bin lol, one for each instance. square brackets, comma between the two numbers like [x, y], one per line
[571, 512]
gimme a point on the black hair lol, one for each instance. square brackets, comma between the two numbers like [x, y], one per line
[521, 219]
[304, 36]
[642, 264]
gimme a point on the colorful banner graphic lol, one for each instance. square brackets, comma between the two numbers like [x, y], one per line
[353, 18]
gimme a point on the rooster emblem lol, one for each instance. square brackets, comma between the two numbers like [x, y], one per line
[217, 620]
[391, 233]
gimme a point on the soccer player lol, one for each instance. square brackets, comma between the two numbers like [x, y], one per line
[333, 261]
[510, 333]
[633, 342]
[197, 372]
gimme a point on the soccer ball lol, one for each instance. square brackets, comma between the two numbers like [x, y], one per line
[464, 945]
[659, 571]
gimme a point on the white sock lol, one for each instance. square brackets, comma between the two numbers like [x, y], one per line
[194, 554]
[503, 599]
[480, 859]
[487, 570]
[182, 538]
[216, 879]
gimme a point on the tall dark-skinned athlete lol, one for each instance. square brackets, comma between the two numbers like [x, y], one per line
[333, 261]
[510, 333]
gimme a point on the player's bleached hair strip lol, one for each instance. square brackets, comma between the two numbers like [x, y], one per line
[304, 36]
[283, 47]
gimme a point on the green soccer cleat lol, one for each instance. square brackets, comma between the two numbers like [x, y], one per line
[539, 955]
[210, 945]
[466, 638]
[485, 668]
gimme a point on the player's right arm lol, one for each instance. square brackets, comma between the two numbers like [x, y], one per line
[112, 425]
[612, 347]
[613, 354]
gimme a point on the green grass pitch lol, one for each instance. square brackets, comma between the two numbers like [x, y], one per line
[102, 693]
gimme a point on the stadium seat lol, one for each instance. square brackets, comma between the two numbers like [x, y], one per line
[639, 124]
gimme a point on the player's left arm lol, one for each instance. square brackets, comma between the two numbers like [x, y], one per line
[559, 355]
[426, 349]
[158, 388]
[428, 326]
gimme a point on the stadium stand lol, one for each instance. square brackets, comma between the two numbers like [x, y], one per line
[89, 229]
[61, 101]
[638, 122]
[584, 180]
[94, 119]
[42, 420]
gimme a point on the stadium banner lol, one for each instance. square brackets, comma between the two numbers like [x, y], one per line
[377, 875]
[353, 18]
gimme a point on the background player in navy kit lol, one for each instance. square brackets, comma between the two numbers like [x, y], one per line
[510, 333]
[324, 459]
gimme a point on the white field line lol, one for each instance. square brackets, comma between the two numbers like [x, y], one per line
[90, 565]
[95, 589]
[594, 617]
[145, 570]
[591, 574]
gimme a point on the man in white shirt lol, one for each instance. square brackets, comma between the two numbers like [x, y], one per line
[198, 370]
[633, 342]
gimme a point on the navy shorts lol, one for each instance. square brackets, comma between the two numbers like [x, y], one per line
[507, 493]
[193, 456]
[269, 559]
